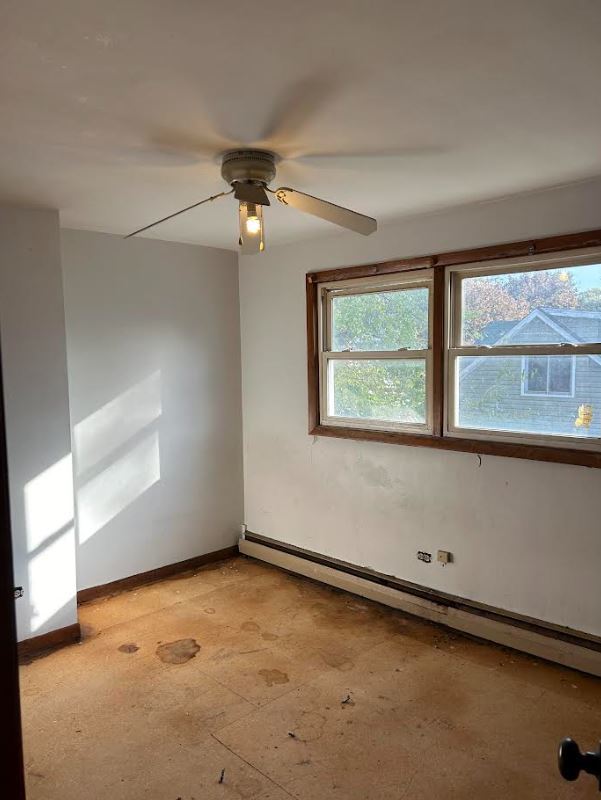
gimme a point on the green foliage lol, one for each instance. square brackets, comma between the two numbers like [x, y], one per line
[386, 320]
[391, 390]
[381, 320]
[590, 300]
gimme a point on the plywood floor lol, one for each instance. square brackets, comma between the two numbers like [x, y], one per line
[285, 688]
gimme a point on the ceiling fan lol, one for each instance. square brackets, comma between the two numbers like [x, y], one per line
[249, 173]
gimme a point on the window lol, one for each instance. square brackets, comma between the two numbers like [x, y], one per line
[545, 376]
[524, 357]
[492, 351]
[376, 358]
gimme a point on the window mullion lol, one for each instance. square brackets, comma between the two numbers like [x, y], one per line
[528, 350]
[393, 355]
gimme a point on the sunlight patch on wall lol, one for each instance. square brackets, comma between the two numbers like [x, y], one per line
[117, 486]
[51, 574]
[48, 502]
[104, 431]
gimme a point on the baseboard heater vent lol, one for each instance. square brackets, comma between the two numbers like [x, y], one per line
[564, 646]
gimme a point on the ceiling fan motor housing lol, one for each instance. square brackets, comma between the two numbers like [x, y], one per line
[248, 166]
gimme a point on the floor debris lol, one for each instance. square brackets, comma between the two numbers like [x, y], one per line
[222, 776]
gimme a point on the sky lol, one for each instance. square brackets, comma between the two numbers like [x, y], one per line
[588, 277]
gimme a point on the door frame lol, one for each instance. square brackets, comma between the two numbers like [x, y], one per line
[12, 776]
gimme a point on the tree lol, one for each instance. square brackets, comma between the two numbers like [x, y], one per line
[554, 288]
[383, 320]
[590, 300]
[498, 298]
[486, 301]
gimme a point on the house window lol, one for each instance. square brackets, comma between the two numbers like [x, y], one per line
[376, 355]
[547, 376]
[496, 350]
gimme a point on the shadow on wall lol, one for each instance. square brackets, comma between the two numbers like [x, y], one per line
[117, 459]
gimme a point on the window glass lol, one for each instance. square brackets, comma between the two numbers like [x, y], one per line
[378, 389]
[560, 375]
[537, 375]
[546, 306]
[381, 320]
[489, 394]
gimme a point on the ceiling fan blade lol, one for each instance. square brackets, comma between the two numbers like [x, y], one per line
[251, 193]
[398, 152]
[328, 211]
[300, 103]
[192, 146]
[369, 161]
[177, 213]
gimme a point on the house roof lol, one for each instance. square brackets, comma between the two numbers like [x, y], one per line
[496, 330]
[564, 321]
[571, 312]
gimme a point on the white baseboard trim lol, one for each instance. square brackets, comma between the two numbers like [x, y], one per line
[567, 654]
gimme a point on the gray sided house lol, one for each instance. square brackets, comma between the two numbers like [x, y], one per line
[539, 394]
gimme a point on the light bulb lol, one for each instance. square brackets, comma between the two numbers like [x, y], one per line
[253, 225]
[251, 228]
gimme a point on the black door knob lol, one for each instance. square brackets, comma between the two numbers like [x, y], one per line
[571, 761]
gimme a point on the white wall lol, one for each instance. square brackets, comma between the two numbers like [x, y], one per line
[32, 329]
[153, 346]
[526, 536]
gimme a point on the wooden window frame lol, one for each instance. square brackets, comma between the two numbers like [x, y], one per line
[439, 264]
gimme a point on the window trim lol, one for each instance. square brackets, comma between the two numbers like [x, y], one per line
[526, 392]
[468, 441]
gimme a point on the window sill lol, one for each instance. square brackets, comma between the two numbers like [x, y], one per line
[558, 455]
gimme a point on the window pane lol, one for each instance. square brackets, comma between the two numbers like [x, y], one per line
[541, 307]
[537, 374]
[560, 375]
[378, 389]
[387, 320]
[489, 395]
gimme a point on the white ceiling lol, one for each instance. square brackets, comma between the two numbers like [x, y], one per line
[108, 109]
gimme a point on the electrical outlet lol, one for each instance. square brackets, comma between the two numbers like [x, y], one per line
[444, 556]
[423, 556]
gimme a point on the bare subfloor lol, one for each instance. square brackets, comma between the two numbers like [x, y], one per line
[241, 681]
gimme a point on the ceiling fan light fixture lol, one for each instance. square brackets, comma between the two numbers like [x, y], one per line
[251, 228]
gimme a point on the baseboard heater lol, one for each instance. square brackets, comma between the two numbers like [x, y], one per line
[564, 646]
